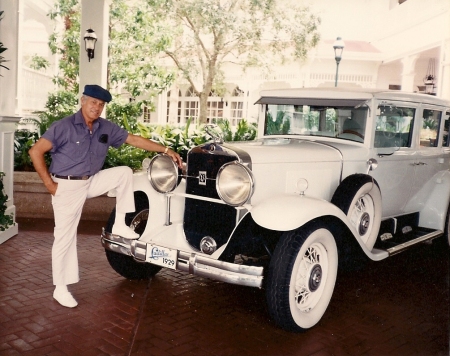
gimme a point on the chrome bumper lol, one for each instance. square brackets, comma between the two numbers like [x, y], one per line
[192, 263]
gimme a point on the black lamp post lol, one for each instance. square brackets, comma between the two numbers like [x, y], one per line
[89, 43]
[338, 48]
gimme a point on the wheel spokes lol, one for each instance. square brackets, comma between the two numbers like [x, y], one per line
[309, 278]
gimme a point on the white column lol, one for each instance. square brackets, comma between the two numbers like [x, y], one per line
[408, 72]
[443, 85]
[9, 35]
[94, 15]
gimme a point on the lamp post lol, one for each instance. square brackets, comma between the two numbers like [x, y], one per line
[338, 48]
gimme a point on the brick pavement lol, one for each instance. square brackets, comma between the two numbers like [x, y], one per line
[395, 307]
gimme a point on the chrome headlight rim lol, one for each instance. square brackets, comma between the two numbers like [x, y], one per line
[248, 179]
[162, 172]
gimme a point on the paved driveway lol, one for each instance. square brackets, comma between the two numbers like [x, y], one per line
[395, 307]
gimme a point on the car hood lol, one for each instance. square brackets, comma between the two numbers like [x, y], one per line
[287, 150]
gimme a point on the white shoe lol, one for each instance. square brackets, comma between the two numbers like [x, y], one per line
[65, 299]
[124, 231]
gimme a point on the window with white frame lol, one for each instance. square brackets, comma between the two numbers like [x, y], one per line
[170, 106]
[215, 107]
[191, 104]
[236, 106]
[146, 114]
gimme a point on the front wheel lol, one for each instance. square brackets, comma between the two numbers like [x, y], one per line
[301, 277]
[125, 265]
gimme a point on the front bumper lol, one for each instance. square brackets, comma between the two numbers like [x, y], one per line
[190, 262]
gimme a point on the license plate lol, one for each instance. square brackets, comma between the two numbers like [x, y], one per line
[162, 256]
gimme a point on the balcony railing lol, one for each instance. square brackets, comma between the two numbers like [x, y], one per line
[35, 89]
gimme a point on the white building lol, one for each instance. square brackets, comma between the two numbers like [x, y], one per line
[388, 44]
[391, 44]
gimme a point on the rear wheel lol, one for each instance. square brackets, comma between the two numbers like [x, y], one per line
[301, 277]
[359, 197]
[125, 265]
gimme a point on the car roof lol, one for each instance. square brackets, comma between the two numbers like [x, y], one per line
[291, 95]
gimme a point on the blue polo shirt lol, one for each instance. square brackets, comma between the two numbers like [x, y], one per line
[78, 152]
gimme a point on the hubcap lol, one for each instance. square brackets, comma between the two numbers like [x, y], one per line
[364, 224]
[139, 222]
[315, 278]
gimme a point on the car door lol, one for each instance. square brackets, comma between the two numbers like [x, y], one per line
[432, 156]
[396, 155]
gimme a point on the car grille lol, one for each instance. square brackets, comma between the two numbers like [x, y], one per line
[204, 218]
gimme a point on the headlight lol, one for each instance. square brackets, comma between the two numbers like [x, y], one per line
[235, 183]
[163, 173]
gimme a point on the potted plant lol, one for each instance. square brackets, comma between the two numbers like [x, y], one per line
[6, 220]
[2, 49]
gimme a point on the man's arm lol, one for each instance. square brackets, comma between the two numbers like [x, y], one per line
[149, 145]
[37, 157]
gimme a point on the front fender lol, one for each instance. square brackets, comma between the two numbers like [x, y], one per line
[158, 203]
[288, 212]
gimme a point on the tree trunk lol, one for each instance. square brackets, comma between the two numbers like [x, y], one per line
[203, 111]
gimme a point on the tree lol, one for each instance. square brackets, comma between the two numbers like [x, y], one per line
[208, 33]
[133, 39]
[131, 31]
[65, 43]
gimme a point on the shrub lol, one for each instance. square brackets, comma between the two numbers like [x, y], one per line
[5, 220]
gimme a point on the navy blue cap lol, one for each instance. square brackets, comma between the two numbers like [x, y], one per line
[96, 91]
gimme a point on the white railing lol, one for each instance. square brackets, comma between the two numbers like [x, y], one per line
[35, 89]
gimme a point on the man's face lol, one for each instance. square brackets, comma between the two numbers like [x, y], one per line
[91, 108]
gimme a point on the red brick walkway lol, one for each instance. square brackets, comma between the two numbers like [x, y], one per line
[395, 307]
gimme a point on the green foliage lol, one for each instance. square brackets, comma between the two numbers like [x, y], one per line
[59, 105]
[244, 131]
[279, 126]
[125, 155]
[125, 115]
[2, 49]
[67, 43]
[200, 35]
[23, 141]
[38, 63]
[5, 220]
[134, 37]
[430, 124]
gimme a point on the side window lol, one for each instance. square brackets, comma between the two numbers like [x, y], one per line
[394, 126]
[445, 138]
[429, 132]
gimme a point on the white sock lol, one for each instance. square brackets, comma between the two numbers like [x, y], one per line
[61, 289]
[121, 229]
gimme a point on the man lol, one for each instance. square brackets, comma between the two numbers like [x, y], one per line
[78, 145]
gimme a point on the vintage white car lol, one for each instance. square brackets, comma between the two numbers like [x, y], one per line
[336, 176]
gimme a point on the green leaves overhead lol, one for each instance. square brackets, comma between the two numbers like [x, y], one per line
[209, 34]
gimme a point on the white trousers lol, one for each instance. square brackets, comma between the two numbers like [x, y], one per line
[68, 203]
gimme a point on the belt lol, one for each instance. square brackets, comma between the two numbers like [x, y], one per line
[71, 177]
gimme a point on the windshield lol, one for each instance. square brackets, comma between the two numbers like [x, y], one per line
[345, 122]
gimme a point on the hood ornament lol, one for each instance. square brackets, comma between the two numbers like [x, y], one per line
[215, 133]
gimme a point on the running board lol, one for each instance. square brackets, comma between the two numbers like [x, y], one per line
[402, 247]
